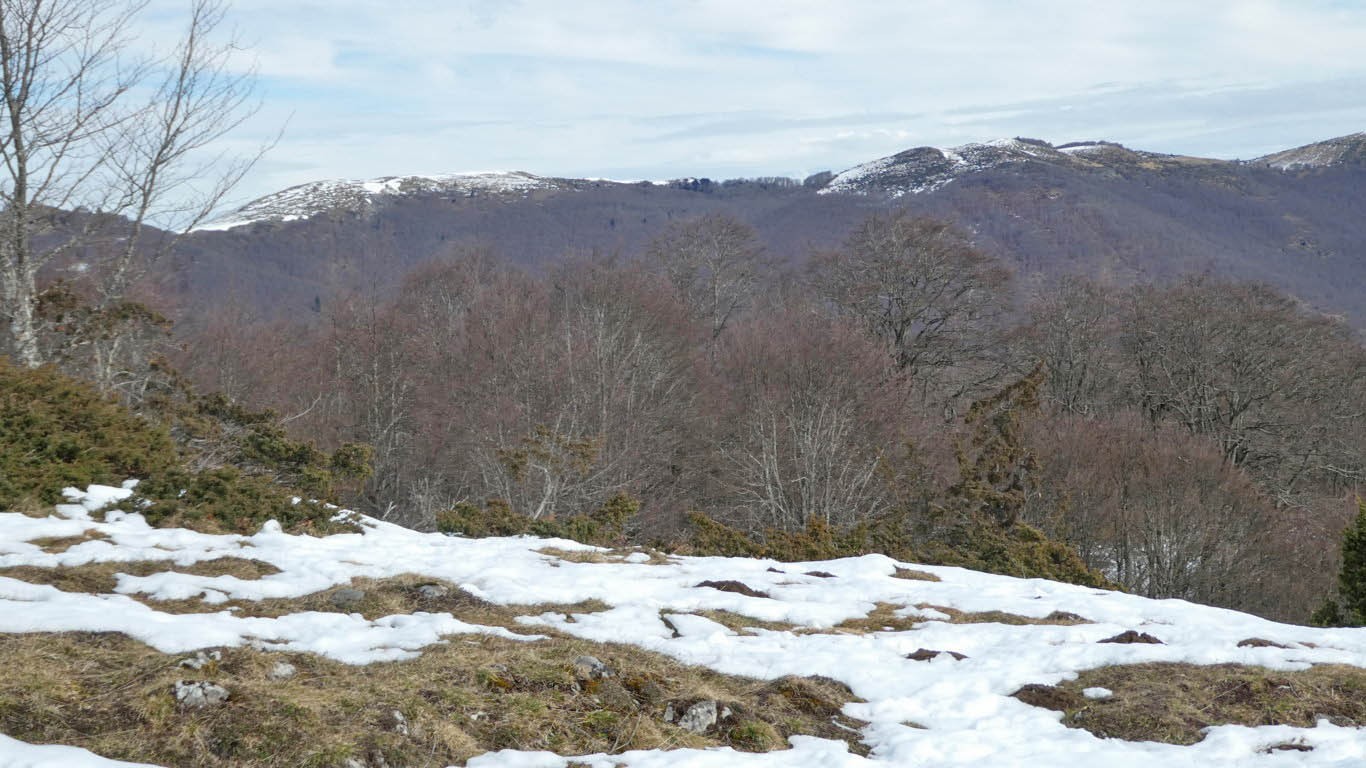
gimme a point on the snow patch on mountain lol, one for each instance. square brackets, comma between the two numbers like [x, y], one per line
[307, 200]
[926, 169]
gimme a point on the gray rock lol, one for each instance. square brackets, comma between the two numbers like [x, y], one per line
[432, 591]
[198, 695]
[201, 659]
[347, 598]
[398, 723]
[697, 718]
[590, 668]
[282, 670]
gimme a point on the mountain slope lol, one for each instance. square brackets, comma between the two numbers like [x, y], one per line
[1096, 209]
[953, 667]
[1344, 150]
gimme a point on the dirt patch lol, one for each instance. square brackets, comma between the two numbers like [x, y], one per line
[1131, 637]
[925, 654]
[114, 696]
[1172, 702]
[737, 587]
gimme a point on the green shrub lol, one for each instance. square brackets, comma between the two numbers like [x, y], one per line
[57, 432]
[1349, 608]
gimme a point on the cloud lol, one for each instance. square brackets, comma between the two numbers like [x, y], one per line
[717, 87]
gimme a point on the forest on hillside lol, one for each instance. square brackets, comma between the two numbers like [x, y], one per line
[890, 386]
[1197, 438]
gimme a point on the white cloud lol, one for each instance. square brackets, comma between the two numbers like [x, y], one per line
[719, 87]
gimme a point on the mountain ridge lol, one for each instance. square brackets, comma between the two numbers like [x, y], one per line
[916, 170]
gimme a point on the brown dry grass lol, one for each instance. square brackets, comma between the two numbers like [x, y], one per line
[1172, 702]
[913, 575]
[113, 695]
[883, 618]
[742, 624]
[56, 545]
[610, 556]
[98, 578]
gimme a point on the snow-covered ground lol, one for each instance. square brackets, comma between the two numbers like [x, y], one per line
[966, 714]
[306, 200]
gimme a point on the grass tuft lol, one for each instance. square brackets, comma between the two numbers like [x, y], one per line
[1173, 703]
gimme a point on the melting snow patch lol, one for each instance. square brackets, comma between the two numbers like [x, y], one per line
[962, 708]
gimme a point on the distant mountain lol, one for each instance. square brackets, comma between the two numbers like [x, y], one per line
[1344, 150]
[1292, 219]
[306, 200]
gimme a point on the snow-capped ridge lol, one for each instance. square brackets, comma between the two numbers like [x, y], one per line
[306, 200]
[926, 169]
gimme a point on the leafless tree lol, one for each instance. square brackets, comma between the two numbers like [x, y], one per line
[1160, 512]
[713, 262]
[815, 407]
[120, 139]
[1278, 389]
[1072, 328]
[920, 286]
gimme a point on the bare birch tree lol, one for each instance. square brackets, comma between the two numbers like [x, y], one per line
[106, 151]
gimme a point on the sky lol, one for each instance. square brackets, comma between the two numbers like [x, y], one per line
[652, 89]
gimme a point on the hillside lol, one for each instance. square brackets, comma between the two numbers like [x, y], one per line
[1098, 209]
[388, 645]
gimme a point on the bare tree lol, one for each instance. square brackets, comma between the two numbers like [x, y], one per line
[815, 407]
[713, 262]
[1071, 329]
[1278, 389]
[90, 127]
[920, 286]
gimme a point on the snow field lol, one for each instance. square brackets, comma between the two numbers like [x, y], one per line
[941, 712]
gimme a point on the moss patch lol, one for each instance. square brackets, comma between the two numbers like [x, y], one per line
[1172, 702]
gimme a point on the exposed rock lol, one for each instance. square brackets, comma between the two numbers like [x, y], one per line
[1132, 636]
[347, 598]
[201, 659]
[821, 574]
[432, 591]
[198, 695]
[396, 722]
[697, 717]
[282, 670]
[734, 586]
[591, 668]
[925, 654]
